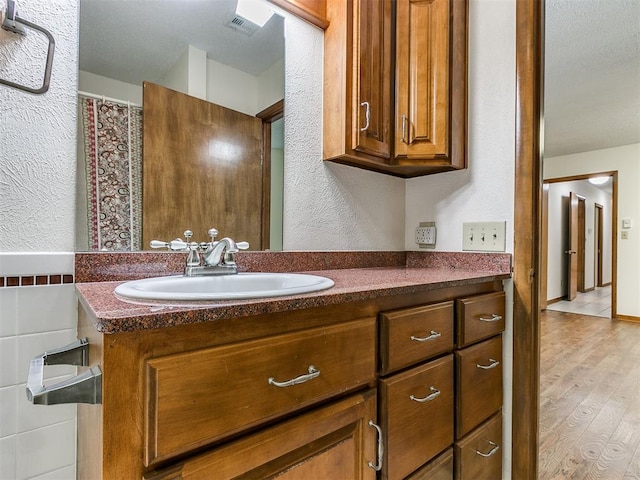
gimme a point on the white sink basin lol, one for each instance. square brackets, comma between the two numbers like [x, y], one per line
[223, 287]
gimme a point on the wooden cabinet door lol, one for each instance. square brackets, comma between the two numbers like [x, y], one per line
[334, 442]
[430, 115]
[358, 82]
[372, 106]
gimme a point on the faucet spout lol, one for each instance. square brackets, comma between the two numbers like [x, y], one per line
[221, 253]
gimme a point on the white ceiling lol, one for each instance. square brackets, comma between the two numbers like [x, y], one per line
[592, 75]
[137, 40]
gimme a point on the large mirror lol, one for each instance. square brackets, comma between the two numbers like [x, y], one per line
[193, 56]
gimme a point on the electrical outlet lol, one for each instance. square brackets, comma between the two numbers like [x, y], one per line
[426, 235]
[484, 236]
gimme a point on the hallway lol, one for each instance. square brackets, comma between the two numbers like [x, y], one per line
[596, 302]
[589, 398]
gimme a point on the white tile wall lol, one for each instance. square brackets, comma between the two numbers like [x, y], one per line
[36, 442]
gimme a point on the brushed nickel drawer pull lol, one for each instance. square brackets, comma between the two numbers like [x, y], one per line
[494, 318]
[367, 115]
[428, 398]
[433, 335]
[491, 452]
[313, 373]
[404, 128]
[377, 466]
[494, 364]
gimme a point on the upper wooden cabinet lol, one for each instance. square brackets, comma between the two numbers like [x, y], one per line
[396, 107]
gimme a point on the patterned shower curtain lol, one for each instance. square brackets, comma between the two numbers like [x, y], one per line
[113, 158]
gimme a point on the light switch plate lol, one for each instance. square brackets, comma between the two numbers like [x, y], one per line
[484, 236]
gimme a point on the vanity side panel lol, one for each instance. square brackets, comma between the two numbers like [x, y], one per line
[89, 462]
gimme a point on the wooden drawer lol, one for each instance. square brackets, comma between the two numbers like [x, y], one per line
[198, 397]
[479, 454]
[415, 431]
[331, 442]
[440, 468]
[411, 335]
[479, 317]
[478, 384]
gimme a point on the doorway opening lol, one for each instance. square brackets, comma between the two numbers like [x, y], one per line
[579, 245]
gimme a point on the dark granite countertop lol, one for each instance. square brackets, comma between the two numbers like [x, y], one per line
[112, 315]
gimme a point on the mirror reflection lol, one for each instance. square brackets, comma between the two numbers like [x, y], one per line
[200, 145]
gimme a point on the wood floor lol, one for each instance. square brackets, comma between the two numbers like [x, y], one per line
[589, 398]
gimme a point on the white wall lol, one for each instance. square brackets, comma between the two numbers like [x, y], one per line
[626, 161]
[483, 192]
[99, 85]
[558, 221]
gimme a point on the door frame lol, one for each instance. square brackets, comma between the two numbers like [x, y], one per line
[529, 129]
[269, 115]
[529, 64]
[599, 238]
[582, 237]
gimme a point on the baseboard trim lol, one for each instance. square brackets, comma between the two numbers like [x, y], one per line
[605, 284]
[628, 318]
[556, 300]
[587, 290]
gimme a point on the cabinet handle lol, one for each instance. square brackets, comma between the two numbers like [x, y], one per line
[313, 373]
[367, 115]
[378, 465]
[404, 128]
[433, 336]
[494, 318]
[428, 398]
[491, 452]
[494, 364]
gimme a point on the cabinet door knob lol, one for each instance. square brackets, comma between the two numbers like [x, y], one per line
[313, 373]
[491, 452]
[433, 335]
[494, 318]
[428, 398]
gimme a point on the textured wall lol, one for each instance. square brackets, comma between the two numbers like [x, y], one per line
[328, 206]
[483, 192]
[38, 132]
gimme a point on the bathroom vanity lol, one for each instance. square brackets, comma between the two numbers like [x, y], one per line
[395, 372]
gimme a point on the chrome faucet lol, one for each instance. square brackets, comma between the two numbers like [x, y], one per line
[218, 257]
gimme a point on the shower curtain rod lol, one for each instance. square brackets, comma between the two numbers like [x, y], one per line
[103, 98]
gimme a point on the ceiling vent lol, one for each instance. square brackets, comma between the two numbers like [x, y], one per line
[242, 25]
